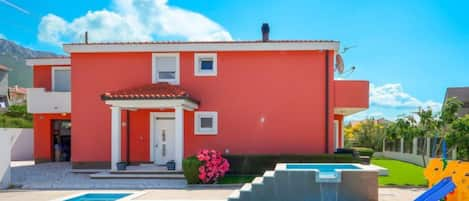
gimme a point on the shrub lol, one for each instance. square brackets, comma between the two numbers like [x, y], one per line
[257, 164]
[214, 166]
[364, 151]
[191, 166]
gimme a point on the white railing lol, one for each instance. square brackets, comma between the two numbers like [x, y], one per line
[41, 101]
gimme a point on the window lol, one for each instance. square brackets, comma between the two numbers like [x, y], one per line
[166, 67]
[206, 123]
[205, 64]
[61, 79]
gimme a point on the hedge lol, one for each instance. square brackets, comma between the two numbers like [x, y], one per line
[258, 164]
[190, 167]
[364, 151]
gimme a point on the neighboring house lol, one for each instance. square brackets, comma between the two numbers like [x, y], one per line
[17, 95]
[3, 87]
[154, 102]
[462, 94]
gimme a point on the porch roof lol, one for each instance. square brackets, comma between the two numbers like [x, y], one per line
[158, 91]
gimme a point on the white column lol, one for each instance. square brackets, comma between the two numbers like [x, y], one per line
[115, 136]
[179, 118]
[414, 146]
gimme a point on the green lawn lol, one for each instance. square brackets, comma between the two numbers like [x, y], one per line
[400, 173]
[234, 179]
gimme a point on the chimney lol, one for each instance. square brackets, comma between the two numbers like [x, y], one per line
[86, 37]
[265, 32]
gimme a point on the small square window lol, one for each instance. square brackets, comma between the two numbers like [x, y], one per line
[206, 123]
[205, 64]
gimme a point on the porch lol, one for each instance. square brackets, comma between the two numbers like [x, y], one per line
[166, 105]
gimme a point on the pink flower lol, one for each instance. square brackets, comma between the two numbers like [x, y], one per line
[214, 166]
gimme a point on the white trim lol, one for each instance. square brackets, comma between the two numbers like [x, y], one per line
[47, 61]
[152, 104]
[201, 131]
[198, 71]
[153, 116]
[155, 78]
[348, 110]
[179, 136]
[209, 46]
[56, 68]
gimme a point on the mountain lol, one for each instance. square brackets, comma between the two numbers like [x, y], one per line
[13, 56]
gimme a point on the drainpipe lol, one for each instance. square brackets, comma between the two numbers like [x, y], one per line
[128, 138]
[327, 102]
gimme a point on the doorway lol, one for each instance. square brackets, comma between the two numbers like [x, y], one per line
[163, 138]
[61, 140]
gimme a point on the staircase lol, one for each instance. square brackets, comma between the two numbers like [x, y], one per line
[306, 185]
[143, 171]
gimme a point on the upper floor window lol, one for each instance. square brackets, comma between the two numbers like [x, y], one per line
[205, 64]
[165, 67]
[61, 79]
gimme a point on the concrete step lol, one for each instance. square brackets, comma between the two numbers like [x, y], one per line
[144, 172]
[136, 176]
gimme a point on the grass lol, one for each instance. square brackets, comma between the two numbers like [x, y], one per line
[236, 179]
[400, 173]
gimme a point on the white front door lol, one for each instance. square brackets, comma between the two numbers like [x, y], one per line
[164, 138]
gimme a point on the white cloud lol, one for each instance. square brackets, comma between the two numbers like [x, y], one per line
[132, 20]
[393, 95]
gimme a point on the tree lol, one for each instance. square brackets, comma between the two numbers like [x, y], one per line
[448, 115]
[459, 137]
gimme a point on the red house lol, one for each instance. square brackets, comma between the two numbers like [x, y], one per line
[152, 102]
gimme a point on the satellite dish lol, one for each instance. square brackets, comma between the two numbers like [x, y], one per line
[339, 64]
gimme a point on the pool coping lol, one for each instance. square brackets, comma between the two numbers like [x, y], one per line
[318, 179]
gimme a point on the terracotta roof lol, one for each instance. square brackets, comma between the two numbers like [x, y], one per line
[203, 42]
[3, 68]
[150, 91]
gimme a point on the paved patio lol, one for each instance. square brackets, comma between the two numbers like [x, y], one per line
[60, 176]
[385, 194]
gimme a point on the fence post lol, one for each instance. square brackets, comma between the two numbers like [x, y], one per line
[454, 154]
[402, 145]
[428, 146]
[384, 145]
[415, 145]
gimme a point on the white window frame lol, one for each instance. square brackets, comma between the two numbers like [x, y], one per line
[154, 75]
[200, 72]
[204, 131]
[56, 68]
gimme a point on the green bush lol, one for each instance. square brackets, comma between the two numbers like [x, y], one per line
[364, 151]
[14, 122]
[191, 166]
[258, 164]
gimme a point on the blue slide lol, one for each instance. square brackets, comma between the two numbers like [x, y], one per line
[438, 191]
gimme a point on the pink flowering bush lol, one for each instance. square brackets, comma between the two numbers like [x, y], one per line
[213, 167]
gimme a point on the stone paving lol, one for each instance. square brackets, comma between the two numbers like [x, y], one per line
[59, 176]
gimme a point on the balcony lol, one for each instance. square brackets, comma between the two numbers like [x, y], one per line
[41, 101]
[351, 96]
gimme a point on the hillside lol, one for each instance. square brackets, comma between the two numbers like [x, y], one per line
[13, 56]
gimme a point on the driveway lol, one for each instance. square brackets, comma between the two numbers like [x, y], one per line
[59, 176]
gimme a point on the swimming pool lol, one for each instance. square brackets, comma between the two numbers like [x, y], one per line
[99, 197]
[326, 171]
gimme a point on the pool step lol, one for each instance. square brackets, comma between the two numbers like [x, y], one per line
[135, 176]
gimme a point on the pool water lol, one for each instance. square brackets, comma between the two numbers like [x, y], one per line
[99, 197]
[325, 170]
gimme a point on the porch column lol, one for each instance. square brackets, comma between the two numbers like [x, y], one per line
[179, 118]
[115, 136]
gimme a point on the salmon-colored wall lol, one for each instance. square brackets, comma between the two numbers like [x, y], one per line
[351, 93]
[42, 77]
[43, 135]
[286, 88]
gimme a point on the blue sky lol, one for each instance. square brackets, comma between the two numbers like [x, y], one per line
[410, 51]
